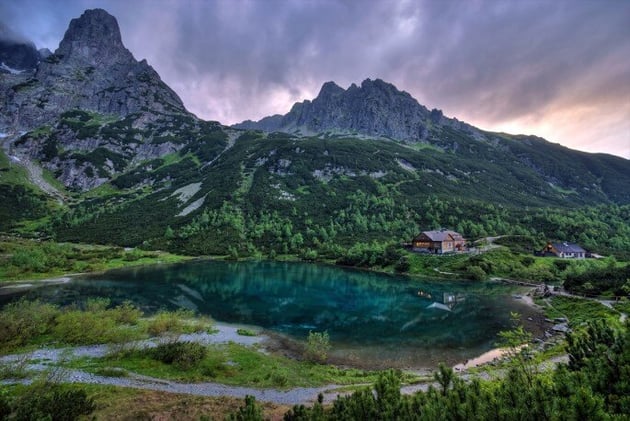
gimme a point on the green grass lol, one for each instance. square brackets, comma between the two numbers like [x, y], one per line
[103, 190]
[236, 364]
[171, 158]
[27, 259]
[579, 310]
[41, 131]
[563, 191]
[623, 306]
[425, 264]
[246, 332]
[418, 146]
[27, 324]
[10, 172]
[50, 178]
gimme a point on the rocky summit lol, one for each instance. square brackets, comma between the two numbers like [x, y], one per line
[90, 97]
[375, 109]
[92, 71]
[92, 115]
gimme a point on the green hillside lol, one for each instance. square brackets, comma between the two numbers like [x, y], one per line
[268, 194]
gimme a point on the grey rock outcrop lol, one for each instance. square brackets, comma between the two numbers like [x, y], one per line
[91, 70]
[267, 124]
[97, 110]
[44, 53]
[376, 109]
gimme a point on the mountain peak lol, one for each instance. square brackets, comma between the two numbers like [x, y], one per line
[376, 108]
[92, 71]
[330, 88]
[93, 37]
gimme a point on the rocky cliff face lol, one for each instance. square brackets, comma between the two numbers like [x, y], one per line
[90, 110]
[375, 108]
[91, 70]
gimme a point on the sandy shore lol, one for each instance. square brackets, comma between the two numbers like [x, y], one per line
[485, 358]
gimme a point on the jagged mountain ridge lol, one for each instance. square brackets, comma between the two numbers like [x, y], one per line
[130, 141]
[376, 108]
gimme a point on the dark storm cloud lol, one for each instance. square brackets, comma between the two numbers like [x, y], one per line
[559, 68]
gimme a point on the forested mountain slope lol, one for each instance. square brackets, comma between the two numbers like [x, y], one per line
[352, 166]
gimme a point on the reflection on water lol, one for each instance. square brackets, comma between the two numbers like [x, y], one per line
[367, 315]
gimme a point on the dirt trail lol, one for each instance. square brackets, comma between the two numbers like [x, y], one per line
[48, 361]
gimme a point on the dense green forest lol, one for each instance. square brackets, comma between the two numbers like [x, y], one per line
[322, 198]
[362, 220]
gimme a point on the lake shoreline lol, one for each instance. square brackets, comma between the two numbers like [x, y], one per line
[533, 319]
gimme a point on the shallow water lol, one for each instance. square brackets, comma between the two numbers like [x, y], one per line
[375, 319]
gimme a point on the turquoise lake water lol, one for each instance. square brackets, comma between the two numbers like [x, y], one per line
[371, 318]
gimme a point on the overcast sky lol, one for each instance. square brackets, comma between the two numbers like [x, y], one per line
[559, 69]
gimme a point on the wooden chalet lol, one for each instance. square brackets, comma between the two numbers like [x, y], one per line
[564, 250]
[439, 242]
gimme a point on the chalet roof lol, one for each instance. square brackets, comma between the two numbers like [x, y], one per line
[442, 235]
[566, 247]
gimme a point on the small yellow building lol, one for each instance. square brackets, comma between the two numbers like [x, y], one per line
[439, 242]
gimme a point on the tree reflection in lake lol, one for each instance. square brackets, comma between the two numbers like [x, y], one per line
[368, 315]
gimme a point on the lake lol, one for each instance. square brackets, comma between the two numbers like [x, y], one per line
[373, 319]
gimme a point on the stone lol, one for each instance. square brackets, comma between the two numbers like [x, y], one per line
[91, 70]
[376, 109]
[561, 327]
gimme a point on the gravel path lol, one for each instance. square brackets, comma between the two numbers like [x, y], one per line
[300, 395]
[295, 396]
[224, 334]
[45, 359]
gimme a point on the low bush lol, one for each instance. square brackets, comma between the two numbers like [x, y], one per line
[55, 402]
[476, 273]
[609, 280]
[245, 332]
[98, 324]
[166, 322]
[184, 355]
[317, 346]
[126, 313]
[83, 328]
[16, 369]
[96, 305]
[251, 411]
[279, 379]
[24, 320]
[402, 265]
[111, 372]
[176, 322]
